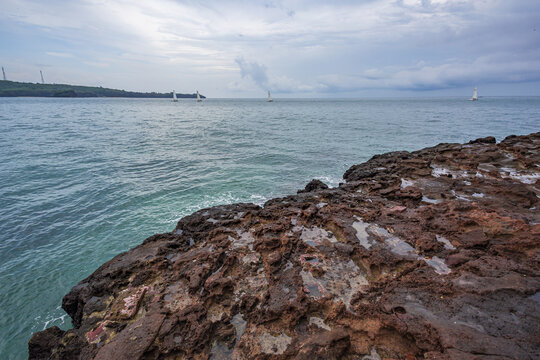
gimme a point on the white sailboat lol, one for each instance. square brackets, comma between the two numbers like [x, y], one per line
[474, 94]
[198, 96]
[269, 97]
[174, 98]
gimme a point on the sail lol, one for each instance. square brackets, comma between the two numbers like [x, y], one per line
[475, 94]
[269, 97]
[174, 98]
[198, 96]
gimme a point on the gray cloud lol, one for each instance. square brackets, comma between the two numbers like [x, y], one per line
[253, 70]
[445, 76]
[291, 47]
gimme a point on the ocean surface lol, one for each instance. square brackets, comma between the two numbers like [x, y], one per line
[82, 180]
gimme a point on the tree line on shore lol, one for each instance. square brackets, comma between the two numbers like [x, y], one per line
[16, 89]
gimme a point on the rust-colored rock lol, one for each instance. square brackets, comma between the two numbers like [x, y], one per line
[431, 254]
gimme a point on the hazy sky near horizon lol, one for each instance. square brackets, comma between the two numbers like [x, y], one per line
[295, 48]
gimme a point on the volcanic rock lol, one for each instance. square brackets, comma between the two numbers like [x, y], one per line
[314, 185]
[432, 254]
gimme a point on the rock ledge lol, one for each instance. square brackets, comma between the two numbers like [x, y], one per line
[430, 254]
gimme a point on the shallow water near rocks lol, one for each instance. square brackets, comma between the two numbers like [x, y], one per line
[84, 179]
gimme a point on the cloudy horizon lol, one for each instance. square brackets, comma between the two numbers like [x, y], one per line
[294, 48]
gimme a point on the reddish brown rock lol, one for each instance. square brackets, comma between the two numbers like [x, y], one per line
[429, 254]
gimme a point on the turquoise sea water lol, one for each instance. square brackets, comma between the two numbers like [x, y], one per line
[82, 180]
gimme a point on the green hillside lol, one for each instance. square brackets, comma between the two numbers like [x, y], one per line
[14, 89]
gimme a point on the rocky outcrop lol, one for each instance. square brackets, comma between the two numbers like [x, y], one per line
[314, 185]
[430, 254]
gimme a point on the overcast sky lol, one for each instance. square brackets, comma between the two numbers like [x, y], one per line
[294, 48]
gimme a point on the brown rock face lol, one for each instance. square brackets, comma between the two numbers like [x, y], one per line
[432, 254]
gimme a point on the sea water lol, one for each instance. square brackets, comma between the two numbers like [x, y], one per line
[82, 180]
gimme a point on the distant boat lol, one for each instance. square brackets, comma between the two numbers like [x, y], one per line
[198, 97]
[174, 98]
[269, 97]
[474, 94]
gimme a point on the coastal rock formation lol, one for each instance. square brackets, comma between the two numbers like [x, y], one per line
[432, 254]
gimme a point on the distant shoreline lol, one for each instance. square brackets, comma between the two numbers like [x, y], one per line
[21, 89]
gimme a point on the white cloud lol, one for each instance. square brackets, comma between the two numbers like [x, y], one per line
[59, 54]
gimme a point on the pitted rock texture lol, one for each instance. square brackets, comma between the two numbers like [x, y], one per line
[432, 254]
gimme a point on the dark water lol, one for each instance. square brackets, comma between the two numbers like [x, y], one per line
[84, 179]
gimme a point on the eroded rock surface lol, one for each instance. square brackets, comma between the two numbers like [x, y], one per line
[431, 254]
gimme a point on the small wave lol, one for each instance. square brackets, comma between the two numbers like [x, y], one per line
[331, 181]
[220, 199]
[50, 319]
[258, 199]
